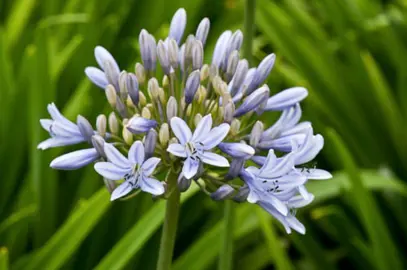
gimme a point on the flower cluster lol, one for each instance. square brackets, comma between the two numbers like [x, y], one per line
[200, 123]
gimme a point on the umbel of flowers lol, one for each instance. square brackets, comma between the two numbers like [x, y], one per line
[177, 115]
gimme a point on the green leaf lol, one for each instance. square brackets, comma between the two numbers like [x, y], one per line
[4, 261]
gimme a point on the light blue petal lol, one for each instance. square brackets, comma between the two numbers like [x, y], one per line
[60, 129]
[136, 153]
[272, 211]
[286, 99]
[214, 159]
[220, 48]
[177, 26]
[203, 128]
[295, 224]
[46, 124]
[121, 191]
[97, 76]
[283, 165]
[149, 165]
[114, 156]
[181, 130]
[273, 202]
[299, 201]
[310, 149]
[269, 163]
[152, 186]
[315, 174]
[111, 171]
[177, 150]
[102, 56]
[215, 136]
[237, 150]
[75, 160]
[190, 168]
[301, 128]
[60, 141]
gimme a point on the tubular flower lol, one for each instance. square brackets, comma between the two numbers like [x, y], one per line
[198, 121]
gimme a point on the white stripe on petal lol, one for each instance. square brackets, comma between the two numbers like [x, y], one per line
[215, 136]
[136, 153]
[75, 160]
[214, 159]
[121, 191]
[111, 171]
[190, 168]
[115, 156]
[181, 130]
[152, 186]
[177, 150]
[149, 165]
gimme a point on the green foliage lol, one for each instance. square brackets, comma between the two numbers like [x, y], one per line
[351, 56]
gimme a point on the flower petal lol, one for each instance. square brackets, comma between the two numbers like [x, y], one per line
[121, 191]
[110, 170]
[46, 124]
[181, 130]
[102, 56]
[214, 159]
[295, 224]
[190, 168]
[273, 202]
[149, 165]
[115, 156]
[177, 150]
[215, 136]
[136, 153]
[59, 141]
[152, 186]
[75, 160]
[97, 76]
[57, 116]
[237, 150]
[299, 201]
[286, 99]
[203, 128]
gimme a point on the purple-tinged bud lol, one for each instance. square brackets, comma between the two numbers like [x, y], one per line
[242, 194]
[132, 88]
[97, 76]
[147, 50]
[85, 128]
[222, 193]
[173, 53]
[234, 43]
[112, 74]
[229, 112]
[163, 57]
[253, 100]
[259, 160]
[232, 65]
[139, 125]
[172, 108]
[177, 26]
[220, 48]
[235, 126]
[183, 183]
[103, 56]
[255, 135]
[240, 75]
[99, 143]
[203, 30]
[286, 99]
[262, 72]
[236, 166]
[191, 86]
[197, 55]
[75, 160]
[150, 143]
[237, 150]
[123, 85]
[121, 108]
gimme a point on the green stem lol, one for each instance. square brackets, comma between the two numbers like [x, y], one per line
[226, 256]
[248, 31]
[170, 225]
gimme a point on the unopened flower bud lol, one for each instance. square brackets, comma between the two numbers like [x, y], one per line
[123, 85]
[197, 119]
[172, 108]
[234, 43]
[224, 192]
[213, 71]
[240, 75]
[142, 99]
[262, 72]
[148, 50]
[85, 128]
[173, 53]
[140, 73]
[237, 150]
[111, 95]
[191, 86]
[188, 51]
[127, 136]
[161, 95]
[101, 123]
[145, 112]
[202, 93]
[183, 183]
[228, 112]
[164, 134]
[150, 143]
[203, 30]
[255, 135]
[232, 65]
[132, 88]
[99, 143]
[153, 88]
[197, 55]
[121, 108]
[165, 82]
[235, 168]
[113, 123]
[163, 57]
[235, 126]
[242, 194]
[139, 124]
[112, 74]
[110, 184]
[252, 101]
[177, 26]
[204, 72]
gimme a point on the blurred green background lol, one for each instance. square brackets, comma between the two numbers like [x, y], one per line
[350, 54]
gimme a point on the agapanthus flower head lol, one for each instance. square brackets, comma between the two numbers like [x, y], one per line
[198, 121]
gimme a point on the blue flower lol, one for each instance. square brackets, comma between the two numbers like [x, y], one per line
[134, 170]
[63, 132]
[195, 147]
[75, 160]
